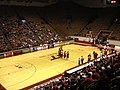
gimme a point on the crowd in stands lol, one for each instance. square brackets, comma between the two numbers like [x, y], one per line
[2, 43]
[103, 74]
[16, 34]
[19, 34]
[75, 20]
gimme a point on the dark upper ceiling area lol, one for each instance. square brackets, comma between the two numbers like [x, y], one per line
[43, 3]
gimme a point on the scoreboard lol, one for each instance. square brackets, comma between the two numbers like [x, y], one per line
[112, 1]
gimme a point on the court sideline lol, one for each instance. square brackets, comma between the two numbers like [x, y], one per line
[37, 66]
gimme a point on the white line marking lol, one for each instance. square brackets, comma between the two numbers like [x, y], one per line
[37, 56]
[53, 66]
[22, 67]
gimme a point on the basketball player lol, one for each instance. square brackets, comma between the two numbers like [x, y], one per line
[67, 54]
[89, 57]
[82, 59]
[95, 55]
[79, 61]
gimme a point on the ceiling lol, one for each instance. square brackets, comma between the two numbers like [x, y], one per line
[43, 3]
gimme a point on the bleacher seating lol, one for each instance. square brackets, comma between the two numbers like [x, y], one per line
[102, 21]
[67, 19]
[45, 25]
[24, 34]
[103, 74]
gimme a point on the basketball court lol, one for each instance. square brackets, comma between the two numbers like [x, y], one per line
[24, 70]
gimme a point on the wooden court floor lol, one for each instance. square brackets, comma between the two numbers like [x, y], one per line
[37, 66]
